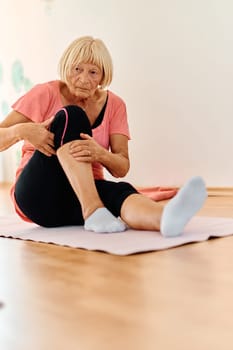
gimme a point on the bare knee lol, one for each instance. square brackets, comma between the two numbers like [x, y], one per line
[63, 150]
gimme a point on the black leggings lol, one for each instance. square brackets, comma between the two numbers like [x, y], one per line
[43, 192]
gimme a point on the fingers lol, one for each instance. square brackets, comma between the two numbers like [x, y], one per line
[84, 153]
[51, 139]
[47, 122]
[47, 147]
[85, 136]
[79, 148]
[81, 151]
[79, 144]
[47, 150]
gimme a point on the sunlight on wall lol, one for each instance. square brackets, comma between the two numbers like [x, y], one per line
[172, 66]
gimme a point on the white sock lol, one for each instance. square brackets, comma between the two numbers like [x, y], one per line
[176, 214]
[102, 220]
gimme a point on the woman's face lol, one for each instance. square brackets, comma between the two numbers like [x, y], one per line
[84, 80]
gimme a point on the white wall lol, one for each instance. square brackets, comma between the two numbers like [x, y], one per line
[173, 66]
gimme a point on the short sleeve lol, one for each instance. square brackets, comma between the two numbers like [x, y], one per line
[35, 103]
[119, 121]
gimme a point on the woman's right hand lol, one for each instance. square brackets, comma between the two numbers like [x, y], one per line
[39, 136]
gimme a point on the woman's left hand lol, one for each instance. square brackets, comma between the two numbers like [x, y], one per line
[86, 150]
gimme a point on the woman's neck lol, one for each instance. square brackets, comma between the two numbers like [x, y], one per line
[69, 98]
[92, 105]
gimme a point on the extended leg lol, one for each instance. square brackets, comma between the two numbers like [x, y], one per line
[142, 213]
[183, 207]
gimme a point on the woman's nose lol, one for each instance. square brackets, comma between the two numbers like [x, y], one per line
[83, 77]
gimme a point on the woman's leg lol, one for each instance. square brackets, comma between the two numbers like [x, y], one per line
[42, 191]
[142, 213]
[51, 192]
[80, 175]
[44, 194]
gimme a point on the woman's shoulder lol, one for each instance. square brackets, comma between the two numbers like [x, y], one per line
[45, 97]
[41, 89]
[49, 90]
[48, 85]
[114, 98]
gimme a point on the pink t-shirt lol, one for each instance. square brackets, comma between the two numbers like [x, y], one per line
[44, 101]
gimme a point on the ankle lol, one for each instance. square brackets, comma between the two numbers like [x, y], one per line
[103, 221]
[88, 210]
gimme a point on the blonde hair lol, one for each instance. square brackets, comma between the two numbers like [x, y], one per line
[87, 50]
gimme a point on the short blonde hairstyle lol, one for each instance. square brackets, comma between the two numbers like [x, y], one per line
[87, 50]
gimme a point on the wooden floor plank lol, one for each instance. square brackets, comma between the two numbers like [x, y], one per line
[62, 298]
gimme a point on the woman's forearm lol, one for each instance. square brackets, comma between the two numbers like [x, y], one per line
[9, 136]
[116, 163]
[12, 129]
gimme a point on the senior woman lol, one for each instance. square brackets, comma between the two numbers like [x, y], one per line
[73, 128]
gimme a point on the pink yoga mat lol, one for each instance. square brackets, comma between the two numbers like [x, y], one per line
[124, 243]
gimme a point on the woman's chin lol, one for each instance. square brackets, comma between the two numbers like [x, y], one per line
[82, 94]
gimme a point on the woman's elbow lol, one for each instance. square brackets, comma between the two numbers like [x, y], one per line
[121, 172]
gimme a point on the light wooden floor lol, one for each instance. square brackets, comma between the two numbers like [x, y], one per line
[58, 298]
